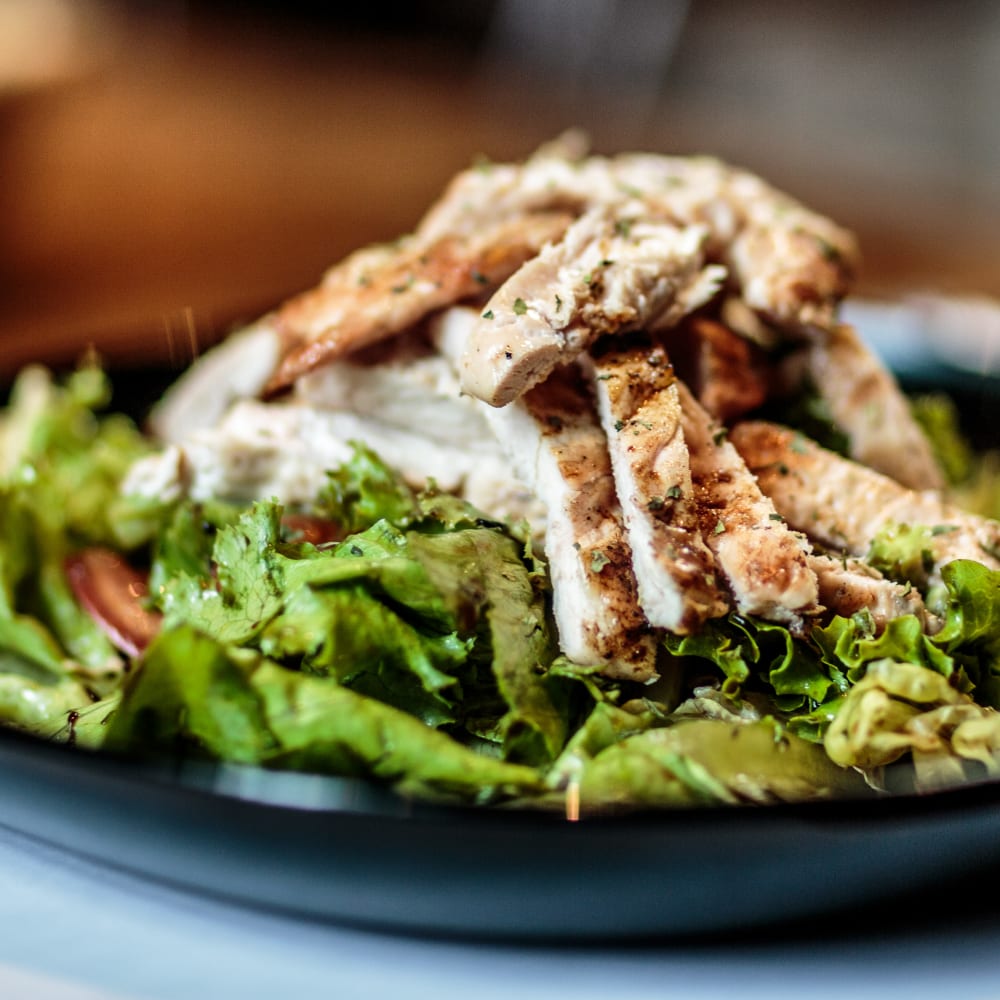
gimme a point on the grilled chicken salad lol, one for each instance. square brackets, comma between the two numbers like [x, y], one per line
[579, 496]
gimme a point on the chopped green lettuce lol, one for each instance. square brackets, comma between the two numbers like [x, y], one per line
[711, 762]
[195, 694]
[899, 708]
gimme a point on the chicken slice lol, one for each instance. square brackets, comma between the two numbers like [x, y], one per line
[236, 368]
[380, 291]
[556, 444]
[847, 586]
[791, 264]
[407, 408]
[844, 504]
[601, 278]
[284, 450]
[415, 389]
[638, 401]
[866, 403]
[726, 373]
[763, 562]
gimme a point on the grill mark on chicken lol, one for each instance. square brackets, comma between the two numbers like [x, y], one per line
[638, 402]
[555, 442]
[381, 291]
[586, 540]
[763, 562]
[844, 504]
[847, 586]
[601, 278]
[867, 404]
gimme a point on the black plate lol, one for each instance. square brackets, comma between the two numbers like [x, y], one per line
[344, 850]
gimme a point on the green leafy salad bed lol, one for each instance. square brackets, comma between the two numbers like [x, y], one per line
[407, 638]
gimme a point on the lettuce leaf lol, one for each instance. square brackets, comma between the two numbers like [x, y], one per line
[711, 762]
[746, 649]
[902, 708]
[364, 490]
[60, 465]
[197, 695]
[443, 614]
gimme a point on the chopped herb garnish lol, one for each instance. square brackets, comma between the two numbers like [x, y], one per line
[719, 528]
[488, 314]
[775, 517]
[720, 435]
[598, 561]
[619, 424]
[828, 250]
[656, 503]
[559, 303]
[520, 306]
[675, 493]
[480, 278]
[588, 278]
[623, 227]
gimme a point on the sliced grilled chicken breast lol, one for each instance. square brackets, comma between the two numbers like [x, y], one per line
[381, 291]
[844, 504]
[601, 278]
[867, 404]
[726, 372]
[764, 563]
[847, 586]
[791, 264]
[640, 409]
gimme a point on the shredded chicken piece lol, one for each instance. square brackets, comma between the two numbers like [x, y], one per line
[844, 504]
[790, 264]
[764, 563]
[284, 449]
[640, 409]
[601, 278]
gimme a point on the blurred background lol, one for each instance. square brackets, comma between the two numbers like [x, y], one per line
[170, 168]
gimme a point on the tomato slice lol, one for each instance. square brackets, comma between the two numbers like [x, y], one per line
[310, 528]
[113, 594]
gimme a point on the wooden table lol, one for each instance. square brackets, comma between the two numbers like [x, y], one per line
[188, 181]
